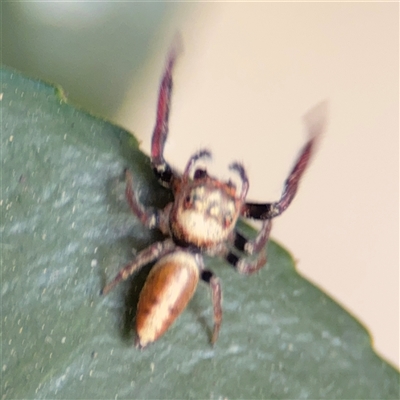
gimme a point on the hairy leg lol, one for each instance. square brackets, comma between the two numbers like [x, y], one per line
[145, 257]
[150, 217]
[258, 243]
[213, 281]
[315, 122]
[257, 247]
[161, 168]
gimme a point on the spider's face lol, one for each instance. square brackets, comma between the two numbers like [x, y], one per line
[205, 211]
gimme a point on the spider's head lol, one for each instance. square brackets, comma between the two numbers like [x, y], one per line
[205, 209]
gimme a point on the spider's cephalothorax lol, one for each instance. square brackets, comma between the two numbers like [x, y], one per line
[201, 220]
[205, 209]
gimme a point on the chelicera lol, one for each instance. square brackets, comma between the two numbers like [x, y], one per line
[200, 220]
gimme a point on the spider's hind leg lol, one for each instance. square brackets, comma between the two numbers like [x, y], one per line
[146, 256]
[212, 280]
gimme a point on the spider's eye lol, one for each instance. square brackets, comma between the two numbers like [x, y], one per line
[200, 173]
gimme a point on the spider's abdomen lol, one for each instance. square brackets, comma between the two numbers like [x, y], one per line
[166, 293]
[204, 214]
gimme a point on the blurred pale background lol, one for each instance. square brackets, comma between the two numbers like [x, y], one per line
[248, 74]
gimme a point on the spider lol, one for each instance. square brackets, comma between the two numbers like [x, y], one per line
[200, 220]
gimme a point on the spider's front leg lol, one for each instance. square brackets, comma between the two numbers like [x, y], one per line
[315, 121]
[161, 168]
[257, 247]
[149, 217]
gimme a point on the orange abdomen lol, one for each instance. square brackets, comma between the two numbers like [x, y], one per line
[168, 289]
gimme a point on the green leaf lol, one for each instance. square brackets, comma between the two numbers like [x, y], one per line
[66, 229]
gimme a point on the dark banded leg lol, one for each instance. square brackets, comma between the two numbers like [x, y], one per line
[254, 246]
[150, 217]
[213, 281]
[257, 247]
[161, 168]
[246, 266]
[145, 257]
[315, 121]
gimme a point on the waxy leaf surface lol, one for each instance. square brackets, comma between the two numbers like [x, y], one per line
[66, 229]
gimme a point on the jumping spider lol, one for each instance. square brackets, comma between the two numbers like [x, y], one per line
[200, 220]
